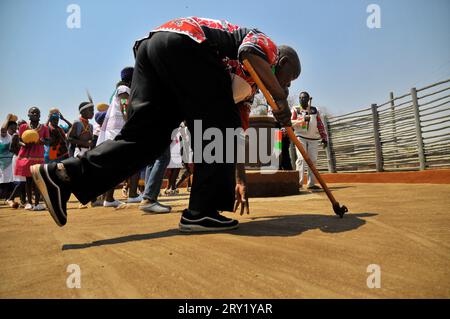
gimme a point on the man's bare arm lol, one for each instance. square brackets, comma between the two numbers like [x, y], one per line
[241, 190]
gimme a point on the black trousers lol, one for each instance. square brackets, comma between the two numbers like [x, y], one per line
[285, 156]
[174, 79]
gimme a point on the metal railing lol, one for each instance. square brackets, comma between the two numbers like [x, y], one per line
[408, 132]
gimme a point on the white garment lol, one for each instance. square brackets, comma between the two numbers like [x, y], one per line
[175, 152]
[114, 120]
[6, 174]
[302, 128]
[241, 89]
[97, 129]
[311, 147]
[181, 143]
[17, 178]
[188, 154]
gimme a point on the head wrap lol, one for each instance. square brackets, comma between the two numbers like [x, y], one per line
[102, 107]
[127, 74]
[100, 117]
[123, 89]
[84, 105]
[10, 118]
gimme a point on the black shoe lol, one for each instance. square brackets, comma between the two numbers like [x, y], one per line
[55, 193]
[314, 187]
[192, 221]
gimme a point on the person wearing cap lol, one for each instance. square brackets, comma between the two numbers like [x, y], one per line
[183, 71]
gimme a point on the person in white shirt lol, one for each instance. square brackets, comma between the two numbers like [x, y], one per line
[309, 129]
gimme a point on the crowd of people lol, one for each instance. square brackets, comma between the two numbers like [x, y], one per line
[26, 143]
[59, 139]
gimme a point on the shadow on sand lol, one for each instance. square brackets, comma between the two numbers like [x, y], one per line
[288, 225]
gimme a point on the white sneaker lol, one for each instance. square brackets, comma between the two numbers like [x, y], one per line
[156, 207]
[114, 204]
[38, 207]
[28, 206]
[134, 200]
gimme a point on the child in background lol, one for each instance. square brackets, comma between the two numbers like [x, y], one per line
[81, 136]
[175, 164]
[81, 133]
[57, 150]
[8, 129]
[31, 153]
[186, 157]
[19, 181]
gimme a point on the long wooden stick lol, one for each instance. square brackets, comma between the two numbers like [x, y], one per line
[290, 132]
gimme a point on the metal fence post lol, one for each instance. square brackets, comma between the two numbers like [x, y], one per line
[376, 135]
[420, 149]
[329, 149]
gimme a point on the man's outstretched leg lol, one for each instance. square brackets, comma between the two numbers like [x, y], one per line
[146, 134]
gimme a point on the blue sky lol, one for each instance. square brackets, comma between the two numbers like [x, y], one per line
[346, 65]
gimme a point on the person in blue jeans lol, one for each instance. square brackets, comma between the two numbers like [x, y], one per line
[154, 175]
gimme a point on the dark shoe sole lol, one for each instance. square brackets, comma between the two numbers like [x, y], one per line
[40, 183]
[195, 226]
[198, 228]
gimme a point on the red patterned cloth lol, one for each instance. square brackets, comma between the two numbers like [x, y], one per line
[192, 27]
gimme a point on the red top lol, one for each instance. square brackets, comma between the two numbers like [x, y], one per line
[33, 151]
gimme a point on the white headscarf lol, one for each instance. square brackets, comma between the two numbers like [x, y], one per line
[114, 120]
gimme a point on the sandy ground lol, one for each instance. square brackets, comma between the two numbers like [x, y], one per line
[288, 247]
